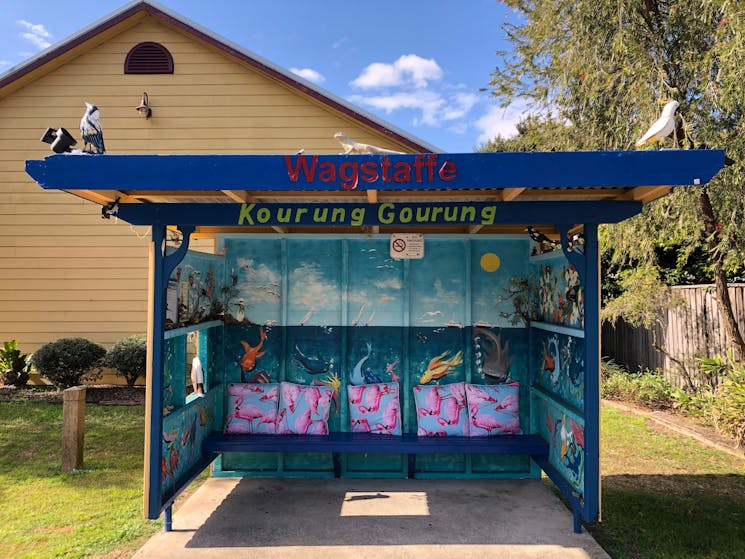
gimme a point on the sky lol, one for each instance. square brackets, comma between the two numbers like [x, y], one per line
[417, 64]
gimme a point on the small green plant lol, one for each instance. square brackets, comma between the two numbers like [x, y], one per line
[128, 357]
[646, 388]
[726, 404]
[69, 361]
[14, 365]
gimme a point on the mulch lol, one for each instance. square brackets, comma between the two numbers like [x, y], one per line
[104, 395]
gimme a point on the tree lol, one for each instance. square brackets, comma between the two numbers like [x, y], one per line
[600, 70]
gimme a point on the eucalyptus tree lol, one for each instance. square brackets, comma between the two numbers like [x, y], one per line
[598, 73]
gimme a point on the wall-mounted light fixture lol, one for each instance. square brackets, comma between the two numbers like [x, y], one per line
[144, 108]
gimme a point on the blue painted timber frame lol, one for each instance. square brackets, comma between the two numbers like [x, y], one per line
[449, 171]
[474, 171]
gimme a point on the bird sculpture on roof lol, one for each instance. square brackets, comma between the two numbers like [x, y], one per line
[662, 128]
[90, 129]
[354, 148]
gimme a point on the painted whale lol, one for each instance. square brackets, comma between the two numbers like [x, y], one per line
[313, 365]
[358, 376]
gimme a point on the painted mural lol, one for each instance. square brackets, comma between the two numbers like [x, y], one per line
[564, 431]
[559, 293]
[557, 349]
[559, 365]
[338, 312]
[196, 291]
[183, 432]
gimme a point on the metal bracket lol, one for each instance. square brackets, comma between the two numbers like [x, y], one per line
[172, 260]
[575, 258]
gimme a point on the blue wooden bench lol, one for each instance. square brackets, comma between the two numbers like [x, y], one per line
[532, 445]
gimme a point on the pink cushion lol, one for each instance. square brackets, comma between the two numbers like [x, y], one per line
[252, 408]
[303, 410]
[374, 408]
[493, 409]
[441, 410]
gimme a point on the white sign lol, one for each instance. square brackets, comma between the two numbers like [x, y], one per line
[407, 245]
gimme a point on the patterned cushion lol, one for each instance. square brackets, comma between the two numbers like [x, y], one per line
[441, 410]
[374, 408]
[252, 408]
[304, 410]
[493, 409]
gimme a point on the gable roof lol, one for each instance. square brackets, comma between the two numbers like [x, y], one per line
[146, 7]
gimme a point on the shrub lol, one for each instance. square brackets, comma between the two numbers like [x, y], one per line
[726, 408]
[69, 361]
[14, 366]
[128, 357]
[646, 388]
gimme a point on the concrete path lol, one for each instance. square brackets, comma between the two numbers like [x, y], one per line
[376, 519]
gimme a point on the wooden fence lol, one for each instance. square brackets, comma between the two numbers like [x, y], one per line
[694, 330]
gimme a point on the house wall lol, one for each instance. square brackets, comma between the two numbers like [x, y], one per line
[66, 272]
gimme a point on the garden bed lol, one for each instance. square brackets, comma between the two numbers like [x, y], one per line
[106, 395]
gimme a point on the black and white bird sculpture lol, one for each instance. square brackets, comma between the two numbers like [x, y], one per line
[90, 130]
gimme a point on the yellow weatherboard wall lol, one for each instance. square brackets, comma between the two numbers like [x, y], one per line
[66, 272]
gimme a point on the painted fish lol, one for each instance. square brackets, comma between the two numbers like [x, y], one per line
[313, 365]
[248, 361]
[440, 367]
[358, 377]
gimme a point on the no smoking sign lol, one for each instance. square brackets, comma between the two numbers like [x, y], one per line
[409, 245]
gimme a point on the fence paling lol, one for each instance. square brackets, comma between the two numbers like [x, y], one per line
[694, 330]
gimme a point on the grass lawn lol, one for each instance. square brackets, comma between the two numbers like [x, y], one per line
[666, 496]
[87, 513]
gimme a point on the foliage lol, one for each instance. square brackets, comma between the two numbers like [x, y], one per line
[721, 399]
[69, 361]
[598, 72]
[644, 298]
[646, 388]
[14, 365]
[128, 357]
[728, 411]
[85, 513]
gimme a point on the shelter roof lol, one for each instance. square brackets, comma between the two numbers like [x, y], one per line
[224, 193]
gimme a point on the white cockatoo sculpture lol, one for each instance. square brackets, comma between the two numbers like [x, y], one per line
[662, 127]
[354, 148]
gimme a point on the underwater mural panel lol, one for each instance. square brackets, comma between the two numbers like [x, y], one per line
[332, 311]
[558, 359]
[564, 432]
[183, 433]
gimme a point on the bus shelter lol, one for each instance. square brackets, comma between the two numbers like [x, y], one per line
[341, 272]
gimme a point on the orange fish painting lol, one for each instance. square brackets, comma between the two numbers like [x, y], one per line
[440, 367]
[248, 361]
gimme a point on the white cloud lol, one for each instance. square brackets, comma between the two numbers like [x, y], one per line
[501, 121]
[460, 105]
[389, 283]
[309, 288]
[309, 74]
[36, 34]
[5, 63]
[408, 70]
[428, 102]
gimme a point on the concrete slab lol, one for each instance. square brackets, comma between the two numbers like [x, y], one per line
[376, 519]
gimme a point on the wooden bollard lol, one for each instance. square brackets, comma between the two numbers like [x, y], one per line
[73, 428]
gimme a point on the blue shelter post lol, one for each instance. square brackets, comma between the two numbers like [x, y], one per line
[591, 509]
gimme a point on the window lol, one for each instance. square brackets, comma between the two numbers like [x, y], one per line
[148, 58]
